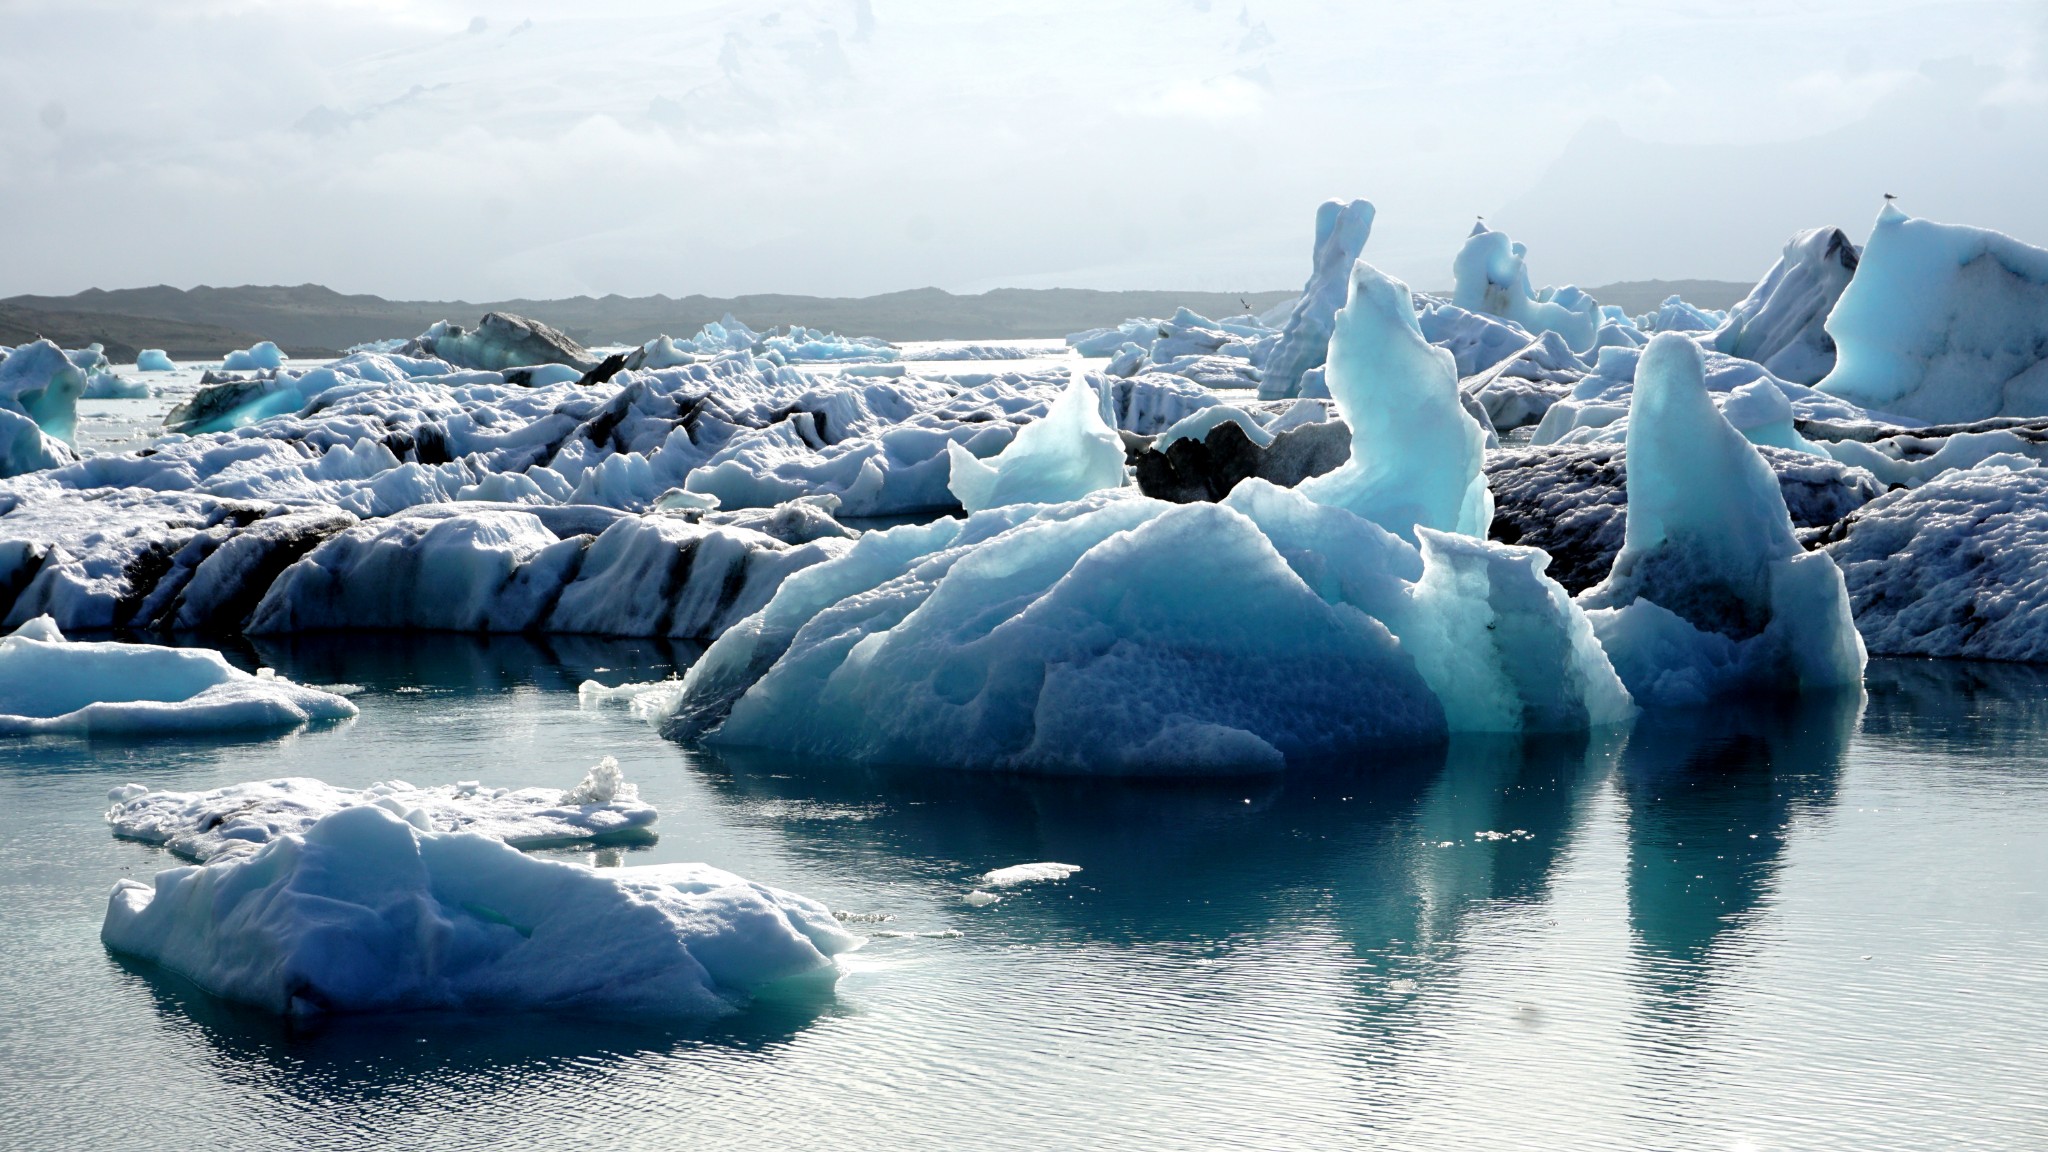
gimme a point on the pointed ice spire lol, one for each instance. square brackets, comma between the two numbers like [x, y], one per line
[1065, 455]
[1415, 451]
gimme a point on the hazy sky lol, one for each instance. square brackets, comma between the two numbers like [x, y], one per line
[416, 148]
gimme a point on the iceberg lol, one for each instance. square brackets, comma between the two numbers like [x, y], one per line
[40, 382]
[1711, 593]
[52, 685]
[1675, 315]
[499, 341]
[261, 357]
[101, 382]
[1762, 407]
[1415, 451]
[1943, 323]
[25, 447]
[1075, 638]
[516, 568]
[1067, 454]
[1492, 275]
[1341, 232]
[1782, 323]
[364, 912]
[240, 818]
[154, 360]
[1124, 635]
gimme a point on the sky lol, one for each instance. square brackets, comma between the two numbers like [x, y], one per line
[478, 150]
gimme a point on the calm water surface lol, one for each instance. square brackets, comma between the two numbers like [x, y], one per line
[1823, 927]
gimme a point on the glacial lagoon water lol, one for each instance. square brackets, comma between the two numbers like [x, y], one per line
[1821, 926]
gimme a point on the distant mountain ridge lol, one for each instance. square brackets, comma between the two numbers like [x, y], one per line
[311, 320]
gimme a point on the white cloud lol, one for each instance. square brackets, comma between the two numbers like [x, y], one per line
[636, 146]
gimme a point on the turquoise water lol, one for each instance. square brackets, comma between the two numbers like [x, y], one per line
[1813, 928]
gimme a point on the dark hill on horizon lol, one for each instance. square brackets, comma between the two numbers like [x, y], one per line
[310, 320]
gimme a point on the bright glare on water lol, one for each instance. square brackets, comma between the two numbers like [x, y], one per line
[1822, 927]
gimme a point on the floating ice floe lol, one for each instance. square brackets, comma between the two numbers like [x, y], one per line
[1036, 873]
[201, 826]
[365, 912]
[1711, 593]
[154, 360]
[1943, 323]
[49, 685]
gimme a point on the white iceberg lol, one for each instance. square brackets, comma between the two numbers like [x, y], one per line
[240, 818]
[1492, 274]
[363, 912]
[263, 356]
[1067, 454]
[1711, 593]
[50, 684]
[1943, 323]
[1782, 323]
[154, 360]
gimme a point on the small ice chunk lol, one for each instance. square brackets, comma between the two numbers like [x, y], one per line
[1017, 874]
[154, 360]
[603, 784]
[980, 899]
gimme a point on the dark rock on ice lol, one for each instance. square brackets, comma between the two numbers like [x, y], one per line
[1572, 502]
